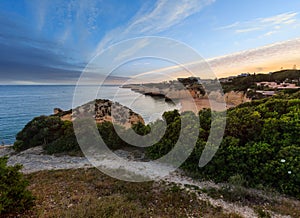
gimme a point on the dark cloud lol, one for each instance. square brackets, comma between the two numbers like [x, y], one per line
[27, 63]
[29, 72]
[24, 56]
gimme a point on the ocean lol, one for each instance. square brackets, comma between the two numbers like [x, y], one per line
[21, 103]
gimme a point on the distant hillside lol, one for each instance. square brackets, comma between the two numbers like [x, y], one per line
[242, 83]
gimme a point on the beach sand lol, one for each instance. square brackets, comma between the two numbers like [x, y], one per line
[201, 103]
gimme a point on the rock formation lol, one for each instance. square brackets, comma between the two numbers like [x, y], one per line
[232, 98]
[57, 110]
[104, 110]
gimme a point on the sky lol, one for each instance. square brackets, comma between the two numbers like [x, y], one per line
[52, 41]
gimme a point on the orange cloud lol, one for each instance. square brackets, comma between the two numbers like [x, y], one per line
[264, 59]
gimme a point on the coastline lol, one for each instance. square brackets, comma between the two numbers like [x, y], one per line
[190, 99]
[28, 102]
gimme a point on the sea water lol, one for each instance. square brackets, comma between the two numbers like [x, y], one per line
[21, 103]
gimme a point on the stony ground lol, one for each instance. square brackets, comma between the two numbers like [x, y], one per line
[34, 160]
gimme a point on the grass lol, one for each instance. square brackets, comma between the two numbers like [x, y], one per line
[89, 193]
[262, 203]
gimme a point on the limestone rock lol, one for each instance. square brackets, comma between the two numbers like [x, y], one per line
[104, 110]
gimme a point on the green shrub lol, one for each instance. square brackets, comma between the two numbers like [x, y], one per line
[168, 141]
[66, 142]
[57, 136]
[283, 172]
[237, 180]
[40, 131]
[110, 136]
[14, 197]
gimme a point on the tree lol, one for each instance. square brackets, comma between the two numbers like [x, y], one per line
[14, 196]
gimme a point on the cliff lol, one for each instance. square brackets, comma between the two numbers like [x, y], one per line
[103, 110]
[232, 98]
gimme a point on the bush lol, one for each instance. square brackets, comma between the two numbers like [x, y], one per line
[40, 131]
[168, 141]
[110, 136]
[283, 172]
[66, 142]
[57, 136]
[14, 197]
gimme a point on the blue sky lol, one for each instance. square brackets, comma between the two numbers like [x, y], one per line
[52, 41]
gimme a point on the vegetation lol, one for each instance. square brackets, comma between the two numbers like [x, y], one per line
[84, 193]
[261, 141]
[89, 193]
[57, 136]
[51, 132]
[260, 149]
[243, 83]
[41, 130]
[262, 202]
[261, 144]
[14, 196]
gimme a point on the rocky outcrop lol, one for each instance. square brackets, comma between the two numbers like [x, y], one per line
[57, 110]
[236, 98]
[166, 92]
[104, 110]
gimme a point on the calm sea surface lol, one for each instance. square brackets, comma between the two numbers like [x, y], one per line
[19, 104]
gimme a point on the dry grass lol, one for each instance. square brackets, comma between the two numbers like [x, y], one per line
[286, 207]
[89, 193]
[263, 203]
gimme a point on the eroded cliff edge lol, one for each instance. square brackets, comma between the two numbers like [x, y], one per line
[102, 110]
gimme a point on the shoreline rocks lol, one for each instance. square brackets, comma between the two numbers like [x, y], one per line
[6, 150]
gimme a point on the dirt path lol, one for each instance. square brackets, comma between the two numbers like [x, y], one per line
[34, 160]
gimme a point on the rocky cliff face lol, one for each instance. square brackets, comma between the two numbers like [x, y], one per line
[103, 110]
[235, 98]
[231, 98]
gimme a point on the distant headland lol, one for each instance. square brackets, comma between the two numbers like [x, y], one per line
[236, 89]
